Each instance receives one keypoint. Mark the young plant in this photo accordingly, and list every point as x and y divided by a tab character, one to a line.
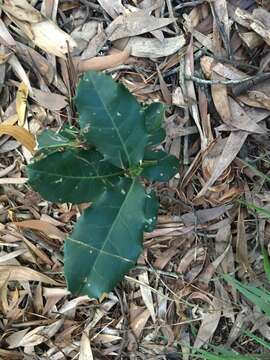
104	163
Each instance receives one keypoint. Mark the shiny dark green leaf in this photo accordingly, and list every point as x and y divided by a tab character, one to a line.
75	176
106	241
159	166
150	211
154	116
111	119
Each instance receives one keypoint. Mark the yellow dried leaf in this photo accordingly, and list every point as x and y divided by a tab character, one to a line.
20	134
21	100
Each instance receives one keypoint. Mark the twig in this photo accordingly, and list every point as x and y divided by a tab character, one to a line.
224	82
174	275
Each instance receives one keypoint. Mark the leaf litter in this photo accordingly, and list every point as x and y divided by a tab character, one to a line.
209	61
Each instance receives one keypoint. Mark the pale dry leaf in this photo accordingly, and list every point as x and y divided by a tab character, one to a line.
233	145
19	71
106	338
112	7
15	339
147	295
153	48
43	32
5	36
48	100
40	225
220	99
241	120
138	324
33	58
40	334
209	324
21	102
136	23
251	39
22	273
22	11
85	348
258	21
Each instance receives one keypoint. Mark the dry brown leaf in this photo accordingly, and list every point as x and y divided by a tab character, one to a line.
19	71
5	36
147	294
20	134
241	255
233	145
38	335
241	120
112	7
209	324
136	23
21	101
22	11
220	99
138	324
40	225
22	273
153	48
48	100
43	32
258	21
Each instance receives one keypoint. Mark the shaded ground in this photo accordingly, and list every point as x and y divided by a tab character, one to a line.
209	61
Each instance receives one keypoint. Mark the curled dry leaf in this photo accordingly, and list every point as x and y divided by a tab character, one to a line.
258	21
20	134
21	100
102	62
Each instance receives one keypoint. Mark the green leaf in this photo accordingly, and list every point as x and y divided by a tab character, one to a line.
75	176
266	262
159	166
49	141
259	297
106	241
259	340
151	211
111	119
154	115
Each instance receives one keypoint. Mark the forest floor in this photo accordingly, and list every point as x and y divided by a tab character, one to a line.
209	61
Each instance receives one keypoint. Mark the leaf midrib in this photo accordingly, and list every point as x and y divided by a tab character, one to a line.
113	123
112	227
78	177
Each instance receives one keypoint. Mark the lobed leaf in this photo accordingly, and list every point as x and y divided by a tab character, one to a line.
111	119
75	176
106	240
